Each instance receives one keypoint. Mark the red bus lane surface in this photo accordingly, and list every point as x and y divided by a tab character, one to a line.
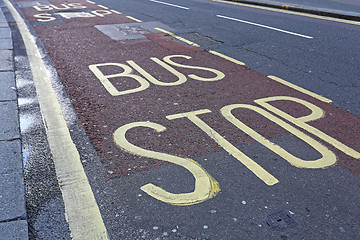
236	138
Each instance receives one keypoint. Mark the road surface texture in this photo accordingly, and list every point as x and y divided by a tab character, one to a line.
188	120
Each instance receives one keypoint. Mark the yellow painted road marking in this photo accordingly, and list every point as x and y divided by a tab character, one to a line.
146	78
286	6
291	12
226	57
128	72
114	11
301	122
177	37
81	211
300	89
219	75
135	19
206	186
236	153
197	45
328	157
181	77
103	7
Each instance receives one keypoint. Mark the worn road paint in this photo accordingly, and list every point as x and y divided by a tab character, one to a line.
51	16
81	210
286	6
179	38
64	6
227	58
135	19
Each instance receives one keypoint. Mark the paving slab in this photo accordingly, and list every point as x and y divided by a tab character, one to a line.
3	21
10	158
7	86
14	230
9	127
13	223
6	43
6	60
12	200
5	32
2	16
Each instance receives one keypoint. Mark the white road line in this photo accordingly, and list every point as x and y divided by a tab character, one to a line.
264	26
173	5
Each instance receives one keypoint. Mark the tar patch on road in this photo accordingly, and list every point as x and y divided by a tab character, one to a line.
128	31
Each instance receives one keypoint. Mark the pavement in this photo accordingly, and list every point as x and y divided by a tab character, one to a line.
13	217
13	220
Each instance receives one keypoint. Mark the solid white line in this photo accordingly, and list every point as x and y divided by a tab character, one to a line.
173	5
264	26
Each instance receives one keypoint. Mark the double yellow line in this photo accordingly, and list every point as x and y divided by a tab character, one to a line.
81	210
